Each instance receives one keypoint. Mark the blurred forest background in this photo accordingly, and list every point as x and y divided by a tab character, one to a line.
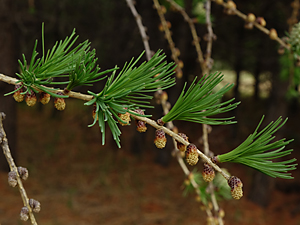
78	181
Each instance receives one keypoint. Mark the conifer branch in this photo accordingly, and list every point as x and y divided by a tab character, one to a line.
14	170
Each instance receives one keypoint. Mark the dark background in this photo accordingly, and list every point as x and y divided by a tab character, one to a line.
40	136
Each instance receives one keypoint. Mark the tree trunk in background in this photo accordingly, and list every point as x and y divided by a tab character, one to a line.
8	67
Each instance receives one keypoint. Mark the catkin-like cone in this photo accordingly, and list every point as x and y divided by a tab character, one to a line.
125	117
59	103
181	146
30	98
17	95
160	138
236	187
44	97
208	173
191	154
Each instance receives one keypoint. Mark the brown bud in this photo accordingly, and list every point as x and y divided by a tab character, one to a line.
236	187
261	21
160	138
94	111
180	64
12	178
191	154
24	214
18	96
125	117
164	96
163	9
215	159
273	34
208	173
140	125
251	18
35	205
23	173
30	98
59	103
181	146
160	122
44	97
230	5
219	2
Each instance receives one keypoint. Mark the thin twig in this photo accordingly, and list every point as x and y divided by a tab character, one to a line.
13	167
142	29
196	38
258	26
168	35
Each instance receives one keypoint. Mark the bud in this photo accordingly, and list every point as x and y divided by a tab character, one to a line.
23	173
35	205
125	117
17	95
261	21
273	34
248	25
160	122
30	98
181	146
44	97
191	154
230	8
208	173
12	178
59	103
140	125
94	111
236	187
251	18
24	213
219	2
160	138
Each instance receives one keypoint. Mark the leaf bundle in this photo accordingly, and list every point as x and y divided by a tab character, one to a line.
257	152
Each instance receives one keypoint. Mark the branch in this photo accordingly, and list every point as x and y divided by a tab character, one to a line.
168	37
196	39
152	123
142	29
256	24
13	168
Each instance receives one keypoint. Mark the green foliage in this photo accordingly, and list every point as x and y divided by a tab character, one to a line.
199	102
128	91
63	60
257	152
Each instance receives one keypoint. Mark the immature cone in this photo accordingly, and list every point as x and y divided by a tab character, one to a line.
140	125
236	187
12	178
191	154
208	173
59	103
24	213
94	111
125	117
180	146
160	138
273	34
17	95
30	98
44	97
261	21
35	205
23	173
251	18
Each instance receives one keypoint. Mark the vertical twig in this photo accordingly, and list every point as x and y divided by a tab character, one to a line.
13	167
142	29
